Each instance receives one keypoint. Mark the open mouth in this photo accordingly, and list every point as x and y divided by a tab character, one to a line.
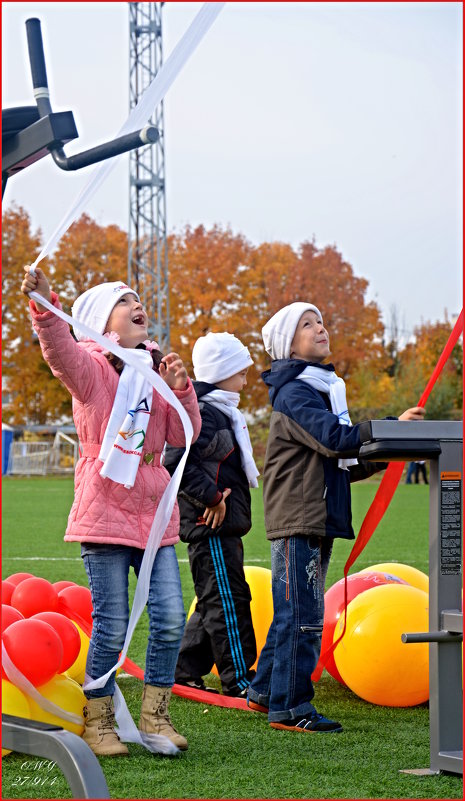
139	319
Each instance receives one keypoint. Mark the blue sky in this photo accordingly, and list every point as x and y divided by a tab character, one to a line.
340	122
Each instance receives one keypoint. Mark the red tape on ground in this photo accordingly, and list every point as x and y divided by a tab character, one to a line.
202	696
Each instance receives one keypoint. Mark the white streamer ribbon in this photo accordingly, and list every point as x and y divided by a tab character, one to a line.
139	115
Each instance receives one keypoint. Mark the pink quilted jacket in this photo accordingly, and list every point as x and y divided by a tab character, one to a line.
104	511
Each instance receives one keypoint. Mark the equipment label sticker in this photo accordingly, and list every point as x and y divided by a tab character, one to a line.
451	523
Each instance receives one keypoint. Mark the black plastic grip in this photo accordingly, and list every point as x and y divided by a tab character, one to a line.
36	53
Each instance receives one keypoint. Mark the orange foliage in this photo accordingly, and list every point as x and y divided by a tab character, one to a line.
218	282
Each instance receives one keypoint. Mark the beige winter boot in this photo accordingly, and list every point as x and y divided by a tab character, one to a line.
154	717
99	730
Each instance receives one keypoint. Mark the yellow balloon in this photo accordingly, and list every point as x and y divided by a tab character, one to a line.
371	657
67	694
261	605
410	574
78	668
14	702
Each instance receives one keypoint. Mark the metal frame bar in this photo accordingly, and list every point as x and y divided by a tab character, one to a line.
395	441
73	756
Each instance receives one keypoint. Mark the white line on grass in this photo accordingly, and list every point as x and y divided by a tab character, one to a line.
335	562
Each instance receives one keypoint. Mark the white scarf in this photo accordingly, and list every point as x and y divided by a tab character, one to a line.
227	402
327	381
124	437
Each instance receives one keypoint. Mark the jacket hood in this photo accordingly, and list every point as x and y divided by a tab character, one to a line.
284	370
203	388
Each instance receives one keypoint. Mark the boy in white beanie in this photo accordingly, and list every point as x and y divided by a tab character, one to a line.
311	458
214	501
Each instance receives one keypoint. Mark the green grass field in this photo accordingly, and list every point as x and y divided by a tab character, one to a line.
233	753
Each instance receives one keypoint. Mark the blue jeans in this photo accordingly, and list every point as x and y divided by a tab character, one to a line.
107	568
283	680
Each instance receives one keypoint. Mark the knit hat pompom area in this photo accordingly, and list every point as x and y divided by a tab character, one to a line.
279	331
94	306
216	357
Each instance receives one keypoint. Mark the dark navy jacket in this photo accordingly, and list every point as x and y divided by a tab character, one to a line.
304	490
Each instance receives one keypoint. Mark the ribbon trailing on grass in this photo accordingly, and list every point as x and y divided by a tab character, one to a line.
138	117
385	491
127	729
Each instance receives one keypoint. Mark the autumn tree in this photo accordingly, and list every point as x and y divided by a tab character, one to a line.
416	364
218	281
29	382
88	254
208	290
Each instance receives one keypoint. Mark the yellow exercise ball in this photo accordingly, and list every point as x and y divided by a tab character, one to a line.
261	605
78	668
67	694
410	574
14	702
371	657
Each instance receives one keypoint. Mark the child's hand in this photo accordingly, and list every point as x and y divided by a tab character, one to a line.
173	372
415	413
214	515
36	282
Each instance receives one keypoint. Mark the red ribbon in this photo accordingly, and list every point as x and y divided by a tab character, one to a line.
386	491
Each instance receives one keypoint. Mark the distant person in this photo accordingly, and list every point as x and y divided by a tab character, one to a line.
122	424
311	458
420	468
214	501
411	471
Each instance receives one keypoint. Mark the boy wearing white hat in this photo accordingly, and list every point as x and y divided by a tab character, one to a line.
311	458
214	501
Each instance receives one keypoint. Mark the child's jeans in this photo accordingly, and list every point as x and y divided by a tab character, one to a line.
107	569
283	681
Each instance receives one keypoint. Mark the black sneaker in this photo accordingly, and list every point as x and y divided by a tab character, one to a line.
197	684
236	693
314	723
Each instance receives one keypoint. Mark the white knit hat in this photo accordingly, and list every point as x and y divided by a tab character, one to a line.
216	357
279	331
96	304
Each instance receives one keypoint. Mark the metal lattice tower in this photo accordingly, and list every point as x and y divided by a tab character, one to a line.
148	251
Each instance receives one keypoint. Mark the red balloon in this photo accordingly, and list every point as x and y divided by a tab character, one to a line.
9	615
34	595
35	649
334	606
16	578
60	585
68	634
7	591
76	599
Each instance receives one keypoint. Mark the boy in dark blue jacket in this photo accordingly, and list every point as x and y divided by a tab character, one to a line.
214	502
311	458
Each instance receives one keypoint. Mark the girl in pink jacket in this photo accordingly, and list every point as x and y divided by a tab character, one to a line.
122	425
